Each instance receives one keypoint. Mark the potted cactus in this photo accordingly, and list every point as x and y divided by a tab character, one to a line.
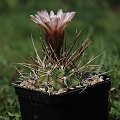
59	87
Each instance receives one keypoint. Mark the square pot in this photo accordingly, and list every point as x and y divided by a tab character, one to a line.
88	104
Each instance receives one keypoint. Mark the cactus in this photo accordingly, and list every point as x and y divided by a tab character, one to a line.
60	70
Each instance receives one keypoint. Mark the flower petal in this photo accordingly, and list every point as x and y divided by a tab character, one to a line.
59	13
69	16
35	19
38	21
61	20
49	24
51	21
56	19
44	15
51	14
67	19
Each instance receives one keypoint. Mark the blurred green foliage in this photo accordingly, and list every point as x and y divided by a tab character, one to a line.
95	17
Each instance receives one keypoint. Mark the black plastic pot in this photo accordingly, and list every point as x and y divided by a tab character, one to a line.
90	104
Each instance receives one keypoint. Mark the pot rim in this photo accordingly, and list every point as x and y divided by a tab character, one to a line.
15	84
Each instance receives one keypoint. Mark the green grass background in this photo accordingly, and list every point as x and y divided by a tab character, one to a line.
100	18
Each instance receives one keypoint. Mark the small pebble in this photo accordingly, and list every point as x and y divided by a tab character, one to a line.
61	91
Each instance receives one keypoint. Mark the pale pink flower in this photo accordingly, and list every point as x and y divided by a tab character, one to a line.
54	26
